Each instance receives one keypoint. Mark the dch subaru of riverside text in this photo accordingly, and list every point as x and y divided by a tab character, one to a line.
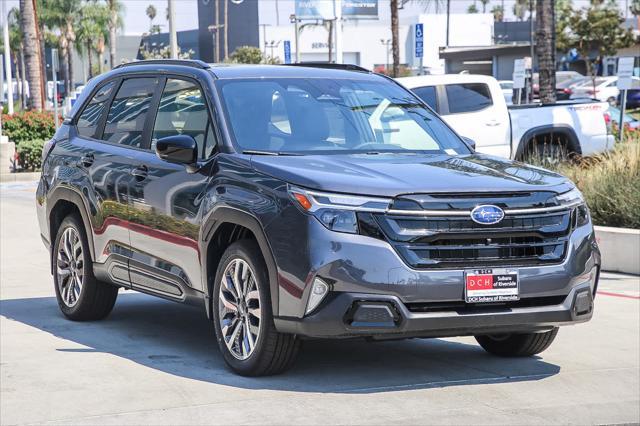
304	202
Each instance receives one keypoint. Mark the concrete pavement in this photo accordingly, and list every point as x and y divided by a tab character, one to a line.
156	362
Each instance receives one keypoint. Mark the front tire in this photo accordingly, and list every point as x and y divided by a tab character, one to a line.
517	345
81	297
246	334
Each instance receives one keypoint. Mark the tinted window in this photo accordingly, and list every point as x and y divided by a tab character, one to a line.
428	95
128	112
88	120
183	111
468	97
313	115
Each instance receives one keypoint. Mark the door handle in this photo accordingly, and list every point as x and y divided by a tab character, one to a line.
492	123
140	172
87	160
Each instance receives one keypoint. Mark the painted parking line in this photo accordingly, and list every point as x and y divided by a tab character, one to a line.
625	296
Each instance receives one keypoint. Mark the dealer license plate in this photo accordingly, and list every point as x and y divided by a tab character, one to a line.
491	285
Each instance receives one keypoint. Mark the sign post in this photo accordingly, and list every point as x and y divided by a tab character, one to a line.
287	52
419	48
625	72
519	76
54	72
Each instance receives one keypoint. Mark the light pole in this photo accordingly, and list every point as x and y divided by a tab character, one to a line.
387	44
7	58
213	29
173	37
264	38
272	45
294	20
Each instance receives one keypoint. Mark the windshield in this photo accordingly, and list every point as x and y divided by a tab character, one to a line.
313	115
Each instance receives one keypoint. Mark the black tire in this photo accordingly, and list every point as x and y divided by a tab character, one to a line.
96	298
274	352
517	345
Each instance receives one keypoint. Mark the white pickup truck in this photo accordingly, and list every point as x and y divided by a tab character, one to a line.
474	106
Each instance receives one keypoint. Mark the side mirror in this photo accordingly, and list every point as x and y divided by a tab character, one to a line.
470	143
181	149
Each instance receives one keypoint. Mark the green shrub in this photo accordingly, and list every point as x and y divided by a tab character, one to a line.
28	126
30	154
610	183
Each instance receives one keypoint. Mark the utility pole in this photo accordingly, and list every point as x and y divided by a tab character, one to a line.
7	58
386	43
337	5
264	38
294	20
446	43
173	37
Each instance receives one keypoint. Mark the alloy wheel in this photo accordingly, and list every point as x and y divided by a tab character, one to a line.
239	309
70	267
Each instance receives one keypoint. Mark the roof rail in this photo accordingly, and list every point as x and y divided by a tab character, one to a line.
195	63
328	65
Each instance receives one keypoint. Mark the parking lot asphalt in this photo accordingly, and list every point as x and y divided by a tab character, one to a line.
156	362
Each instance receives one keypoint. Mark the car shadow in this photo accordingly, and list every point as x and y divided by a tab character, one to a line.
179	340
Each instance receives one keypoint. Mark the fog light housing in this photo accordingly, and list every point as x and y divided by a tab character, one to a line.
319	291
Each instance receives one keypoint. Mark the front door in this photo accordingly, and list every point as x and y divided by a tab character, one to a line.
165	198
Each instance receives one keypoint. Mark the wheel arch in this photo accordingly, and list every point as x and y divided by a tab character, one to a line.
222	227
572	141
62	202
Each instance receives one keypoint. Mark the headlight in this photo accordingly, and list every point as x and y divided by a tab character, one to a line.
575	199
337	212
571	198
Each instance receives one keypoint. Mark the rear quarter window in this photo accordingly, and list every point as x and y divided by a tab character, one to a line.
468	97
428	96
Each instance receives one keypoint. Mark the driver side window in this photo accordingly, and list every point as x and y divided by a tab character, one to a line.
183	111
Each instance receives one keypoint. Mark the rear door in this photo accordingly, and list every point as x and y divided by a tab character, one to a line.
165	198
472	111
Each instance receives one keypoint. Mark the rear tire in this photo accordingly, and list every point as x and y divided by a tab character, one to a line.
243	319
81	297
517	345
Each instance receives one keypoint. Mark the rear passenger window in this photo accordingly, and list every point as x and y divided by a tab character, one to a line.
128	112
183	111
468	97
428	95
88	121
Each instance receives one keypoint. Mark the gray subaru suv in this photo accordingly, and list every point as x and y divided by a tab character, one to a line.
299	202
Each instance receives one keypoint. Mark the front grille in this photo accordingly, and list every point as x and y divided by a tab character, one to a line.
436	241
470	308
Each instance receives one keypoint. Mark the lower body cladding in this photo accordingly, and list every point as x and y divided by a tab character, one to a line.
373	293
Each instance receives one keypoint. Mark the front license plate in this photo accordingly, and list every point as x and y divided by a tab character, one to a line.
491	285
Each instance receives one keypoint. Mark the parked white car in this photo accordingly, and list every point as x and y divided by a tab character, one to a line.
474	106
507	90
601	88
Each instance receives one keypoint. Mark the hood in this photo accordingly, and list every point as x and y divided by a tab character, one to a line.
390	175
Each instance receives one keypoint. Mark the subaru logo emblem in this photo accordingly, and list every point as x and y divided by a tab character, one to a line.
487	215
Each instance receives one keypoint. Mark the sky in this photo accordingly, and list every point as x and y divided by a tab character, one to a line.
136	21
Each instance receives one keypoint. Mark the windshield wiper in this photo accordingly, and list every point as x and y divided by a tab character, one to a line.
258	152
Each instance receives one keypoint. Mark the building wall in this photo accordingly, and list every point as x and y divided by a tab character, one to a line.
362	40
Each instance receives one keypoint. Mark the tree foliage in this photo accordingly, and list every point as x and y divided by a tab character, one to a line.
246	55
472	8
596	30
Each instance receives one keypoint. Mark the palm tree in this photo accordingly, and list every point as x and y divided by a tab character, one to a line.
472	8
31	52
498	13
17	48
115	9
395	38
484	5
91	26
546	49
520	9
151	12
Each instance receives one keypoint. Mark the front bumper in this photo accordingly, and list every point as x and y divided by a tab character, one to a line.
364	269
340	317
